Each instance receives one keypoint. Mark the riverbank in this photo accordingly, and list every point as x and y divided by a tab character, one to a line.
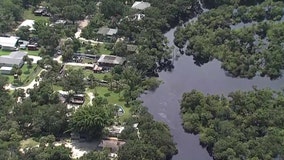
164	105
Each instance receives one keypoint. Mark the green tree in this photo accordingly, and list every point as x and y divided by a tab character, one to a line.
112	8
23	33
91	120
103	155
74	81
73	12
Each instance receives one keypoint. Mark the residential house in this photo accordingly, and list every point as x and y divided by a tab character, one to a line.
9	43
132	48
107	34
115	130
113	144
110	61
140	5
8	61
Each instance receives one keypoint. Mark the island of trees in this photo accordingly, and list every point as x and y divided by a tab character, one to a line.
244	125
246	36
35	120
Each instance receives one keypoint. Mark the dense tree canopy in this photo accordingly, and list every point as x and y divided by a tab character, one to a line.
91	120
151	140
10	12
246	125
243	38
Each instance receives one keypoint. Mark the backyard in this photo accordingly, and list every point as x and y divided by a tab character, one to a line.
87	72
33	53
27	76
28	14
112	98
99	49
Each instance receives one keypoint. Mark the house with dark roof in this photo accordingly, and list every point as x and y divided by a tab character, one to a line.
113	144
110	60
107	34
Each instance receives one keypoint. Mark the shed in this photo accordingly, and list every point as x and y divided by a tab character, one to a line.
9	43
140	5
6	70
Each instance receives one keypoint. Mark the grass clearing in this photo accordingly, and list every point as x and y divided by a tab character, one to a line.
103	50
99	49
28	14
28	143
33	53
28	75
2	53
87	72
113	98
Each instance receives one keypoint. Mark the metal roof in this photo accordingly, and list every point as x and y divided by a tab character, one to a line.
107	31
111	59
8	41
15	58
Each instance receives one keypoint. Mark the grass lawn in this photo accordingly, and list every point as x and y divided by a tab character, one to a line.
28	143
28	75
87	72
57	87
28	14
113	98
2	53
103	50
33	53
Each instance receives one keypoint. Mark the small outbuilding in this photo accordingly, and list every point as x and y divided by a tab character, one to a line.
9	43
6	70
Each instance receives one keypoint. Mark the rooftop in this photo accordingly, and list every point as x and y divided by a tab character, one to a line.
107	31
131	47
140	5
15	58
112	144
29	23
6	68
111	59
9	41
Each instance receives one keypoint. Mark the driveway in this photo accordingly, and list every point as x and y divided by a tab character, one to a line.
35	58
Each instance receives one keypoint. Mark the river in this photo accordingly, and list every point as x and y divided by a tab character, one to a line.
164	105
